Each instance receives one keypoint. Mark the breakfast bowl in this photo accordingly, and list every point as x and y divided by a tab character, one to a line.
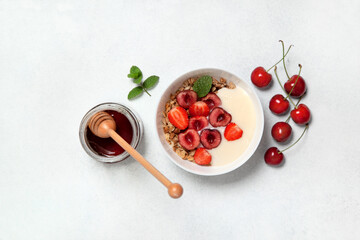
238	100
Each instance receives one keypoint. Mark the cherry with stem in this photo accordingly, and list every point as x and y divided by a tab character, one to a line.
295	85
287	120
301	114
261	77
287	74
274	156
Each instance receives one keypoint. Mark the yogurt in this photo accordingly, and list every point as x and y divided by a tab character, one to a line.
238	103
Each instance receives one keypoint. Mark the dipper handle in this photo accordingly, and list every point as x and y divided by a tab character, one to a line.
175	190
104	126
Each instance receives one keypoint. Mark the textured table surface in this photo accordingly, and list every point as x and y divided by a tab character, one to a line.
60	58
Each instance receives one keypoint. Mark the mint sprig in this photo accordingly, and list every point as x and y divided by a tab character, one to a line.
136	75
202	86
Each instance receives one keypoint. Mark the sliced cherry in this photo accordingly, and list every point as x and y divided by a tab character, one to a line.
198	123
210	138
186	98
219	117
189	139
301	114
279	104
212	100
281	131
273	156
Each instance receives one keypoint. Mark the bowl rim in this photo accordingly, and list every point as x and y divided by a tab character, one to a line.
226	170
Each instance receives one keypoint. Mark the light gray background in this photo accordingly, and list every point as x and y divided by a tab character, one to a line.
60	58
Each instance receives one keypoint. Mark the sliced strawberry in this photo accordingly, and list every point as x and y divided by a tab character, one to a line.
178	117
219	117
210	138
233	132
186	98
198	123
199	109
202	156
212	100
189	139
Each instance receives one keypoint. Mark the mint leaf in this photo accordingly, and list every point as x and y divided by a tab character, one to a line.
135	72
138	79
202	86
135	92
132	75
150	82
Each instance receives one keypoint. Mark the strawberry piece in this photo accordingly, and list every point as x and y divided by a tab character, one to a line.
212	100
186	98
233	132
202	156
179	118
198	123
199	109
189	139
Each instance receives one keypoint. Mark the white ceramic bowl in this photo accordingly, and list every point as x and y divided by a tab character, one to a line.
210	170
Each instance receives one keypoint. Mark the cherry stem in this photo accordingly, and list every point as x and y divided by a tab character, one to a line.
287	120
277	77
288	96
283	59
307	126
280	59
299	100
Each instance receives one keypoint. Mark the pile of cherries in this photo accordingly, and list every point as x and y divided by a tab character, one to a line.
294	87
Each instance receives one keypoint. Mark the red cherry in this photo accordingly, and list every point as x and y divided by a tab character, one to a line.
281	131
278	104
260	77
301	114
273	156
299	88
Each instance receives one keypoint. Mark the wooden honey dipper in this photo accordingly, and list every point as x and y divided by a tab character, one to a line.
104	126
